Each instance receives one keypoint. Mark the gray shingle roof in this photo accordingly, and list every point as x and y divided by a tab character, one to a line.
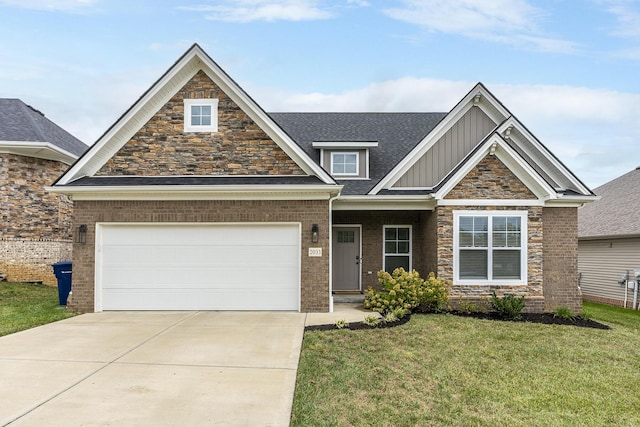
617	213
396	134
21	123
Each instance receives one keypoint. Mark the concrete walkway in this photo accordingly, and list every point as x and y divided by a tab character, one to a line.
157	368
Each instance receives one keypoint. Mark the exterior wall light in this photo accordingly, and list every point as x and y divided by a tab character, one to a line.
81	235
314	233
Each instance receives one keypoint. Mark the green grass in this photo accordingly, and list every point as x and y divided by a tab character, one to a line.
446	370
24	306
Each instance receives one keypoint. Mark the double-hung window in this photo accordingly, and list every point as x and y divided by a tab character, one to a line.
200	115
490	247
397	247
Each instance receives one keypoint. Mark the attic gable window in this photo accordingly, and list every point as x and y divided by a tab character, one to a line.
200	115
344	164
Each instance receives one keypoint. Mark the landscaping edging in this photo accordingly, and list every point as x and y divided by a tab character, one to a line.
540	318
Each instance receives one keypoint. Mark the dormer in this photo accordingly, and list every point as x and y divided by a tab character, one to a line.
345	159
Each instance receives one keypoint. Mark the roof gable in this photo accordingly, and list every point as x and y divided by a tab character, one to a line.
541	171
194	61
162	148
26	131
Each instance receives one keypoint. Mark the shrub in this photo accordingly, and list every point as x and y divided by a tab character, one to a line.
564	313
467	307
371	320
508	306
406	290
341	324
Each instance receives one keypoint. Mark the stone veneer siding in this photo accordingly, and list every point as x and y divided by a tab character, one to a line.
161	147
314	271
36	225
561	259
491	179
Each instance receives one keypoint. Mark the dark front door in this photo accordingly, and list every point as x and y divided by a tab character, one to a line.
346	258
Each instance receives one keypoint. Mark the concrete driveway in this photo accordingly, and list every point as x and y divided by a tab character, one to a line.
152	368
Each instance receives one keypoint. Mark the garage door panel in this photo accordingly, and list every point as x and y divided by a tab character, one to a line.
217	278
199	266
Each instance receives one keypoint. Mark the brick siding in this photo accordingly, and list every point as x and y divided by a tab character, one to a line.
561	259
35	225
314	271
161	147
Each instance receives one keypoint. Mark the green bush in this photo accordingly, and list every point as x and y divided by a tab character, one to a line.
406	290
564	313
508	306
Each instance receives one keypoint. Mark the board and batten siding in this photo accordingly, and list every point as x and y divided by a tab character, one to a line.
601	263
448	151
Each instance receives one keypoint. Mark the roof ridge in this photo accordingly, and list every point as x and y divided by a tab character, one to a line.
28	112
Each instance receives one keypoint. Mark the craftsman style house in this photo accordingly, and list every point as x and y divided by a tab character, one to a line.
196	198
35	226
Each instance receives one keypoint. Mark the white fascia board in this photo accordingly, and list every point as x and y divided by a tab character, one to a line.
490	105
37	149
161	92
200	192
387	203
491	202
514	122
570	201
344	144
521	169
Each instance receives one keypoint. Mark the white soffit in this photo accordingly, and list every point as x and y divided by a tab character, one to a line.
39	150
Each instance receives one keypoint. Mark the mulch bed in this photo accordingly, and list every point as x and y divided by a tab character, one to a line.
543	318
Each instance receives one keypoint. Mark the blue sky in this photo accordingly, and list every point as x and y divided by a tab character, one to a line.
568	69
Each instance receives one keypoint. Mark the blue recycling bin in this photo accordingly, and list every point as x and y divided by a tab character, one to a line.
62	270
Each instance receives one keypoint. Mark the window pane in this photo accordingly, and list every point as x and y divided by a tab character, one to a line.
346	237
390	248
480	240
466	223
394	261
506	264
513	223
480	223
403	247
473	264
513	240
499	223
205	110
466	240
206	121
195	120
499	240
403	234
390	233
195	110
349	168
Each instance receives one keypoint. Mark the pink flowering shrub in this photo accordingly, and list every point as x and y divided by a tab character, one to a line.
407	290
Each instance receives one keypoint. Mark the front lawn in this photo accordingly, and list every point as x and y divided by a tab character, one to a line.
442	369
24	306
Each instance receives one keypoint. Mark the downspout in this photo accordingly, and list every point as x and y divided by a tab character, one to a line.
635	291
330	231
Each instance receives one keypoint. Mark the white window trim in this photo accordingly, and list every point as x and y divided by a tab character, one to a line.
524	247
211	102
384	240
343	153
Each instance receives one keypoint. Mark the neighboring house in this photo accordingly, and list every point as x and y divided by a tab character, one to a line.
35	225
196	198
609	241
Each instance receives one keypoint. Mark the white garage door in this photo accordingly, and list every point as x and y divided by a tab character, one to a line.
198	267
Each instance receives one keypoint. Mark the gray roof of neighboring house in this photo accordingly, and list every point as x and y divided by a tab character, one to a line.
20	122
617	213
396	134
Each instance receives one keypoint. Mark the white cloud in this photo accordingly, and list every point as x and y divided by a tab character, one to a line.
595	132
627	14
53	5
261	10
513	22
